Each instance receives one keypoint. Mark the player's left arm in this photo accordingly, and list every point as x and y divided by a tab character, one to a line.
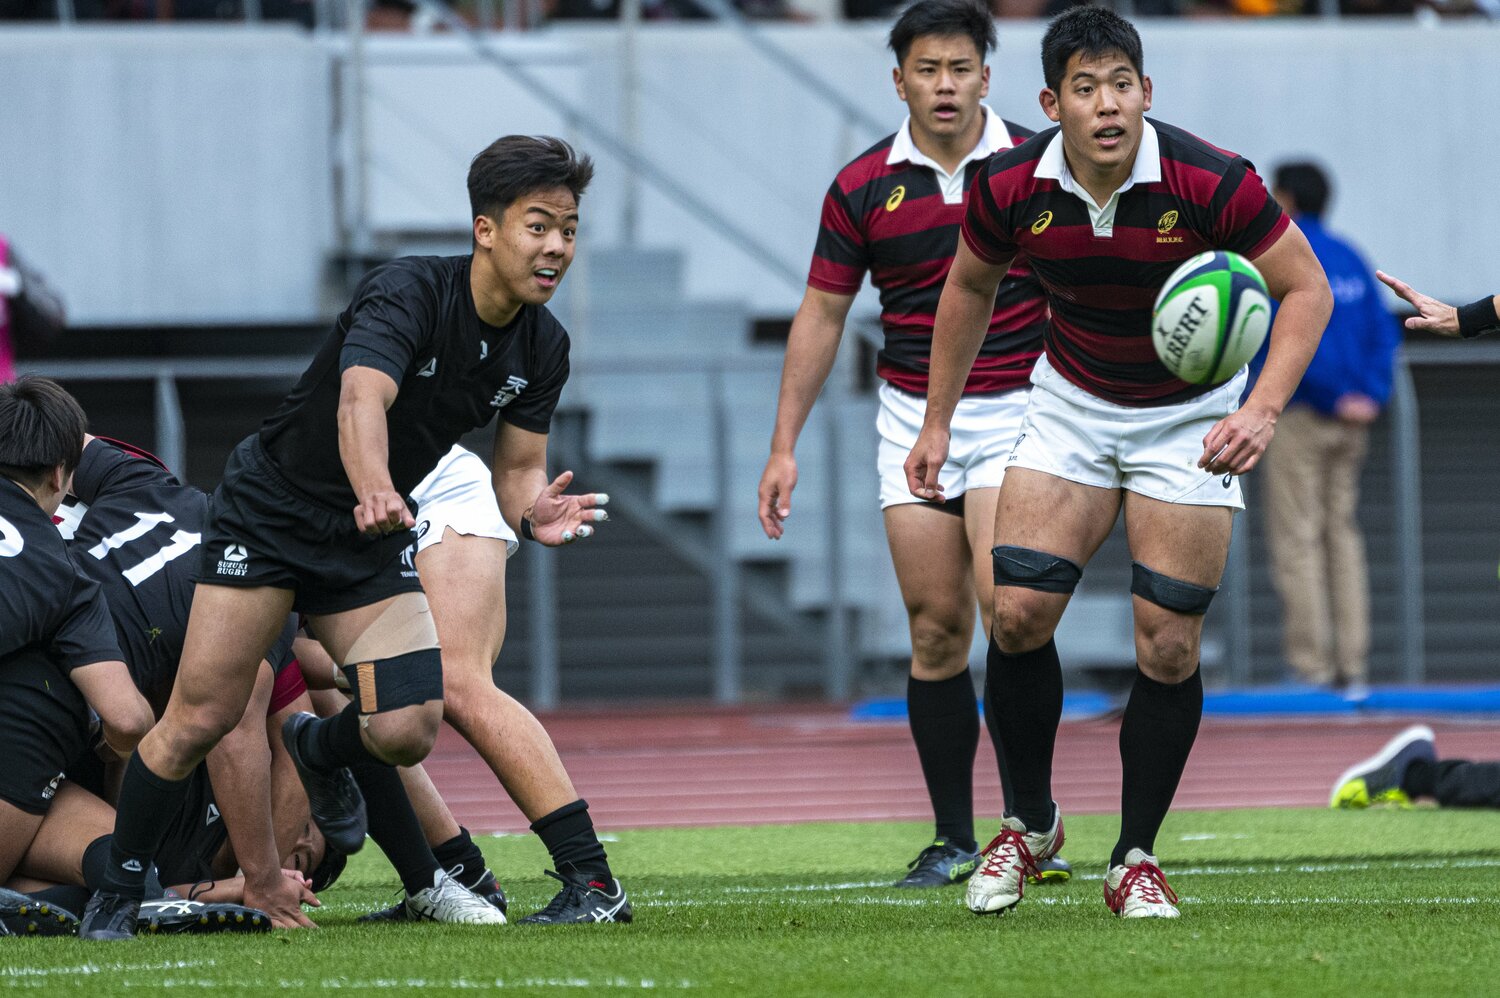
124	715
519	474
364	447
1296	279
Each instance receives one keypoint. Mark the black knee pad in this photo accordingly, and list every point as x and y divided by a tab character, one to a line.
1165	591
1028	569
388	684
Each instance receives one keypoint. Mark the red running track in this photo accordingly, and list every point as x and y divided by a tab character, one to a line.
695	765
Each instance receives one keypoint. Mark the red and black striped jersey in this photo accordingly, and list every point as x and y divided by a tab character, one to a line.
892	220
1185	197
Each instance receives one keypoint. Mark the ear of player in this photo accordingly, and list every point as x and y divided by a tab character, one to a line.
558	518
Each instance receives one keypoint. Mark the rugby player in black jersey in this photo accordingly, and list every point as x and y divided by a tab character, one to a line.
1105	207
312	513
58	655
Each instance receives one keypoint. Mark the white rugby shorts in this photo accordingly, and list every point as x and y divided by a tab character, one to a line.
1150	450
983	432
458	494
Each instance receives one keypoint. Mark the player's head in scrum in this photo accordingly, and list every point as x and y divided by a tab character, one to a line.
41	437
940	73
1097	89
524	192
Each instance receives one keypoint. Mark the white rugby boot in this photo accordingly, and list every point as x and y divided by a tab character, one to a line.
449	901
1008	862
1138	889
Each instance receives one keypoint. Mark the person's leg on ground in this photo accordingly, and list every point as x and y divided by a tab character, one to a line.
1296	500
1179	553
465	580
1454	782
930	551
1046	529
229	631
1347	579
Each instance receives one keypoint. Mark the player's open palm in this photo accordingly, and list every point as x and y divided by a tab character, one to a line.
282	898
558	518
924	462
776	485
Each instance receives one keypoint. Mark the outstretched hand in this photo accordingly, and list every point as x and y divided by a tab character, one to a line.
557	518
1432	315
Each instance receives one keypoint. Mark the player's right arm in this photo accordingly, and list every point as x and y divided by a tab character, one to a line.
963	318
811	349
364	447
124	715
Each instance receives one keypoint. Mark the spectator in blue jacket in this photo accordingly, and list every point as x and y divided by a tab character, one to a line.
1311	470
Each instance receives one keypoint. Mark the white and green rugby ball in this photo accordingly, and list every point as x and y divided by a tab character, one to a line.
1211	317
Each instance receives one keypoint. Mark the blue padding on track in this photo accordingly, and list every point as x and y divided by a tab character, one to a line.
1266	701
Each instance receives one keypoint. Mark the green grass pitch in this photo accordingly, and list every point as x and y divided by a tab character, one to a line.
1284	902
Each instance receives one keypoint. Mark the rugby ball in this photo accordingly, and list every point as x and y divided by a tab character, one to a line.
1211	317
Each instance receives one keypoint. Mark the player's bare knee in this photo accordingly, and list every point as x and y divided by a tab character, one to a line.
1168	654
195	730
939	646
1031	589
403	737
401	701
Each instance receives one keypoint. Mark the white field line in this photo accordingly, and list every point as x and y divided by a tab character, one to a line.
404	983
86	969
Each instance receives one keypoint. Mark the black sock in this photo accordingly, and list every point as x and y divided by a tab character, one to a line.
331	743
148	804
1025	692
1420	779
944	718
394	825
463	860
69	897
96	861
568	834
1156	736
992	725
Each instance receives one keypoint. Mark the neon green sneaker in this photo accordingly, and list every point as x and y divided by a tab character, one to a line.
1377	780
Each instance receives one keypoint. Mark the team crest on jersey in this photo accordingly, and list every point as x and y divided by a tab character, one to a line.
1165	225
897	196
233	562
514	386
1042	221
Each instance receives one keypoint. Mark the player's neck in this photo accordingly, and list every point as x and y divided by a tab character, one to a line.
949	152
495	308
1101	183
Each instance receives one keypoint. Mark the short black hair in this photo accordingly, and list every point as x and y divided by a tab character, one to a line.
41	427
1093	31
517	165
943	18
1307	184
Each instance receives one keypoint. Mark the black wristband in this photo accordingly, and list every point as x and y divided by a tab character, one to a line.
1477	318
526	532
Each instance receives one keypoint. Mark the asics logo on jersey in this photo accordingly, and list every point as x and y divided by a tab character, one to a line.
133	865
897	196
484	349
1164	225
1042	221
428	369
514	385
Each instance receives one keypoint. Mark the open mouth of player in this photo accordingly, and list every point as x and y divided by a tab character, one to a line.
945	111
1110	137
547	277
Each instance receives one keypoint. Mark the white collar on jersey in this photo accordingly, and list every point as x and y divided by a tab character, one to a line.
1147	169
994	138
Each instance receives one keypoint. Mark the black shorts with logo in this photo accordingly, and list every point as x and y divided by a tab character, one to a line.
44	728
263	531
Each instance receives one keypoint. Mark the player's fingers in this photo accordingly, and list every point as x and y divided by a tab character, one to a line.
559	485
591	499
1396	284
585	531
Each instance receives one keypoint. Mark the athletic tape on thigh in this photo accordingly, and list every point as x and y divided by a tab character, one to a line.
1165	591
388	684
1028	569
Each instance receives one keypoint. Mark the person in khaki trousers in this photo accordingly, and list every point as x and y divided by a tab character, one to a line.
1311	469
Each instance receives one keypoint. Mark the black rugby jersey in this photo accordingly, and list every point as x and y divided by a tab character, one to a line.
1101	288
137	524
414	319
47	603
891	220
